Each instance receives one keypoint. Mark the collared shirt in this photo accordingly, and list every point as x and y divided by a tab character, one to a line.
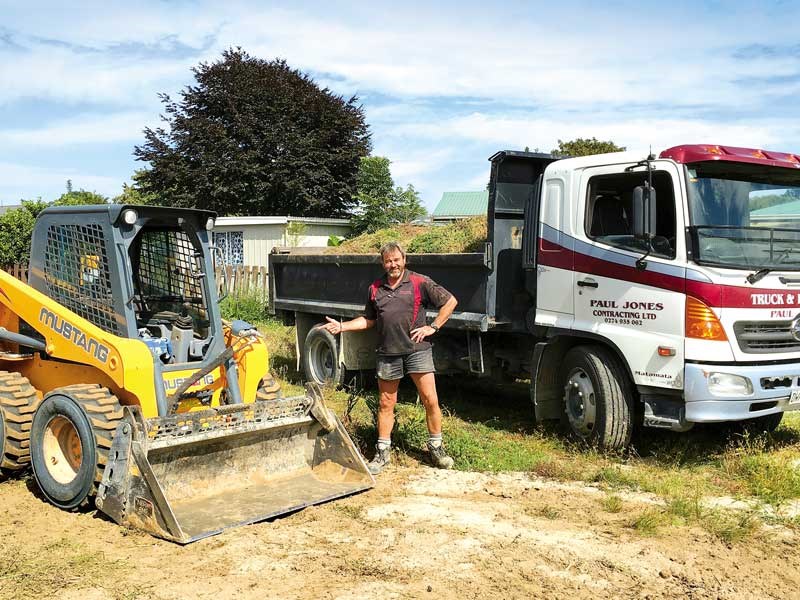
394	309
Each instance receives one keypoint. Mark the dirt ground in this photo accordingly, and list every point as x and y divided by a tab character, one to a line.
420	533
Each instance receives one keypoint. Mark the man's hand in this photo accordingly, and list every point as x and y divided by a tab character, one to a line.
332	326
420	333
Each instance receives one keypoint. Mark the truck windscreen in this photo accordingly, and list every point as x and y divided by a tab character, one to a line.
744	216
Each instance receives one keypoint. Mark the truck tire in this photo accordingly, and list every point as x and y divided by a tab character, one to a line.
70	439
597	402
18	402
321	358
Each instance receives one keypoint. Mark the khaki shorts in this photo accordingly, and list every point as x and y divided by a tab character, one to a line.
391	368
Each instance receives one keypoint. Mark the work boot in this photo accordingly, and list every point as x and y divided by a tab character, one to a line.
383	456
439	457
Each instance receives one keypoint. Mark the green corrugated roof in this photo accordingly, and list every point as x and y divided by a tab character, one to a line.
787	208
462	204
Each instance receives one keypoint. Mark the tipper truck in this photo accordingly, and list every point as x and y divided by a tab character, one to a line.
631	290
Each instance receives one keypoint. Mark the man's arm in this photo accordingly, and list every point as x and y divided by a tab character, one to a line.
357	324
420	333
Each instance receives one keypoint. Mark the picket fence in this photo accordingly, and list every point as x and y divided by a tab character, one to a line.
241	279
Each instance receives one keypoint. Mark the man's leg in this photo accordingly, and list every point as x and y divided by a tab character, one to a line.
388	399
387	390
426	386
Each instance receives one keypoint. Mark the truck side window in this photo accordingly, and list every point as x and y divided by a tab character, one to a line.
608	212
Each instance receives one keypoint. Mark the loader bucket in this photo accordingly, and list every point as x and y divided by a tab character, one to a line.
193	475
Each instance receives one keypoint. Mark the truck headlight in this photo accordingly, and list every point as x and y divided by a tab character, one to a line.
727	384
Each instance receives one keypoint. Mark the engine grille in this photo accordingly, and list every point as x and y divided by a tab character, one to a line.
765	337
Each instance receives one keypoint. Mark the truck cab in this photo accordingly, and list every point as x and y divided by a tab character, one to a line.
683	270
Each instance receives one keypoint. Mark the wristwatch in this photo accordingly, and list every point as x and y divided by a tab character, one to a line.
434	326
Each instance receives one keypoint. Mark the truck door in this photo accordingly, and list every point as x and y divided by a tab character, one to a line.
635	301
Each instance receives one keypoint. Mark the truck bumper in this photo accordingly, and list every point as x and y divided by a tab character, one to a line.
772	391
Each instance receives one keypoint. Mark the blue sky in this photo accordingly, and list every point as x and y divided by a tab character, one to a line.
444	85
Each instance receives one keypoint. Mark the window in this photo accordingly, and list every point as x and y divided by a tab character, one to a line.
232	245
609	217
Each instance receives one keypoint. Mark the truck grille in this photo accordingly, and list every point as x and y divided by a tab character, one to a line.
765	337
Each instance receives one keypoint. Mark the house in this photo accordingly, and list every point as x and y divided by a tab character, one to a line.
249	240
460	205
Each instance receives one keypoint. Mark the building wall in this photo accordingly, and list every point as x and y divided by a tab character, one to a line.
259	240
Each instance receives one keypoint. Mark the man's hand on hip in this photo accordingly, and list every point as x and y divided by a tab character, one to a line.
420	333
333	326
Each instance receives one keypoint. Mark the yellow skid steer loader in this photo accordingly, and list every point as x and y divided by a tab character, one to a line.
120	382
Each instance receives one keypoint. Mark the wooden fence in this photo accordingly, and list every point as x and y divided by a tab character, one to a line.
240	279
18	271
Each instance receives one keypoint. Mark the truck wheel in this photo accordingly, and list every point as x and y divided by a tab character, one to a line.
70	439
18	401
321	358
597	399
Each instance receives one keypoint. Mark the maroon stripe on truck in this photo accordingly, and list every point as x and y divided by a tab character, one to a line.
712	294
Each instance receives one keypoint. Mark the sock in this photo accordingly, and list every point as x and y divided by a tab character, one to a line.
384	444
435	440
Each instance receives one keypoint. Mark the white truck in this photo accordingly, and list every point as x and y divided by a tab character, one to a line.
632	290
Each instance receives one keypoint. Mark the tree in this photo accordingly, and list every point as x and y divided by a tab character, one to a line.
585	147
380	202
256	137
73	198
16	230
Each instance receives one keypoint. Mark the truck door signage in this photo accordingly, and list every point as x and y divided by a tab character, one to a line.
629	312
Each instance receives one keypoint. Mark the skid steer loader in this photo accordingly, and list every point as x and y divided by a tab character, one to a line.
119	382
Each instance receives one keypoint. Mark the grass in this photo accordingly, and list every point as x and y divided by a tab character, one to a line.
490	428
42	571
467	235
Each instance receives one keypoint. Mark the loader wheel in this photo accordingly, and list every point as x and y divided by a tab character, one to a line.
321	358
18	402
268	389
598	406
70	439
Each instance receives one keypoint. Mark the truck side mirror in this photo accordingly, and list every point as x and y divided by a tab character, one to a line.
644	211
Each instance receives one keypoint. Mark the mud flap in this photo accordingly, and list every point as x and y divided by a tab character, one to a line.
193	475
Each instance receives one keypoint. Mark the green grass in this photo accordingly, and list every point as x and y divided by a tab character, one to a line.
489	428
612	503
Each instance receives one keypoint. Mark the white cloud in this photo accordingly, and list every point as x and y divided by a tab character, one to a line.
17	182
81	130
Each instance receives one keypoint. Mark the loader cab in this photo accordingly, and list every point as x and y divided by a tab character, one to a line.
138	272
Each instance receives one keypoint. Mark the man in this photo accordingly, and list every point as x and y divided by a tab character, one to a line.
396	305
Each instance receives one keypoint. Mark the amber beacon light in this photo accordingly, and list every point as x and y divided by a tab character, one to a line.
701	322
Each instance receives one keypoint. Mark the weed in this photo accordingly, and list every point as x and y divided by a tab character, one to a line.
612	503
252	307
547	512
648	522
353	511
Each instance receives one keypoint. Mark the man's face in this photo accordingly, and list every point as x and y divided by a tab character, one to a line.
394	263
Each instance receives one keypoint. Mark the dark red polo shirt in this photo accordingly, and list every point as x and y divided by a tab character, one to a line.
393	309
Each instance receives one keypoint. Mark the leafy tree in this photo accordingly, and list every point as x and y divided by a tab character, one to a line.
584	147
256	137
133	194
380	202
73	198
16	229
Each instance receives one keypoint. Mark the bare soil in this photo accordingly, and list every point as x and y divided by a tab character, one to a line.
420	533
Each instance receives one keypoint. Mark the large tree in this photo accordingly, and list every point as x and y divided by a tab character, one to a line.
585	147
380	203
16	229
256	137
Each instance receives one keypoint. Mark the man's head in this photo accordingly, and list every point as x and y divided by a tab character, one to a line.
394	259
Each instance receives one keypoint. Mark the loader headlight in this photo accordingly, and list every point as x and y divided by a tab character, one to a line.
727	384
210	224
129	216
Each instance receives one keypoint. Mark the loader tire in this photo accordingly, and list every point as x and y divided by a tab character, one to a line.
268	389
70	439
18	402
